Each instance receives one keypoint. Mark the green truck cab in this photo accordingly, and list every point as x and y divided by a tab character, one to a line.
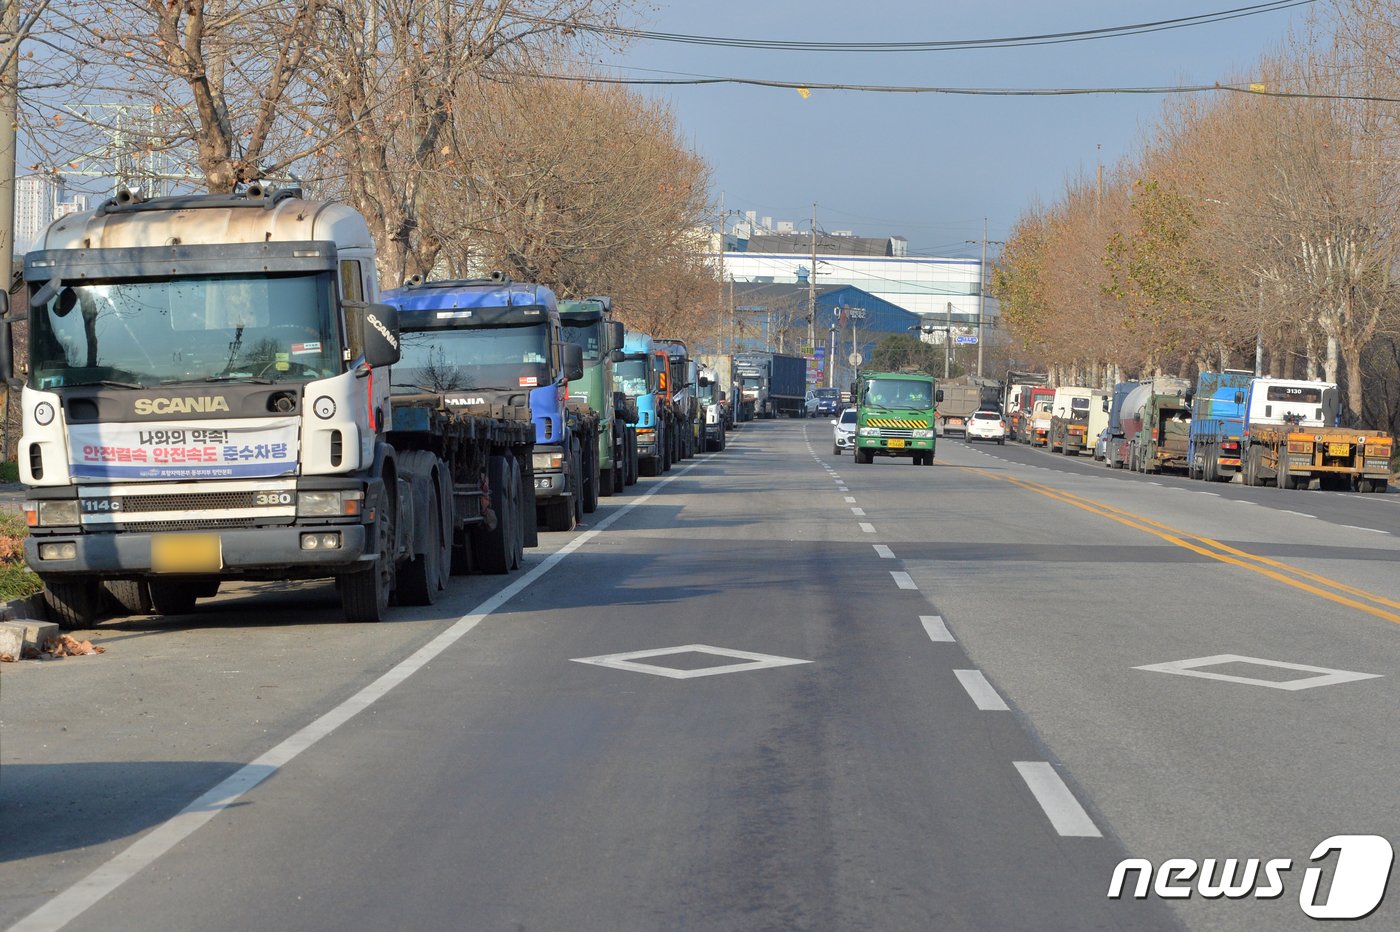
896	416
590	325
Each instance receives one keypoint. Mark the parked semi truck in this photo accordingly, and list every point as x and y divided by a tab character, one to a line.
1217	424
1134	414
773	384
713	407
1114	447
1163	436
208	399
896	416
1077	416
642	373
727	385
589	324
681	379
1013	394
493	341
1290	440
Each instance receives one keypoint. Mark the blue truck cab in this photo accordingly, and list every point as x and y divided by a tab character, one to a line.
638	375
1214	451
497	343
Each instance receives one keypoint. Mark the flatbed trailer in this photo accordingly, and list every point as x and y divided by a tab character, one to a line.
1337	457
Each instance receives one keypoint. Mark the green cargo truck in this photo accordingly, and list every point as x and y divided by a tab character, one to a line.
589	325
896	416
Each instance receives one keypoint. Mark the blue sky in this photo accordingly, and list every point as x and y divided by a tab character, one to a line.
929	167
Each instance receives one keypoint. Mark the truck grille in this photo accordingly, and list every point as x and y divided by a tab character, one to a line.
199	524
890	432
189	501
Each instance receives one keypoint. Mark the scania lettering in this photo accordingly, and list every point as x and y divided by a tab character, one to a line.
179	405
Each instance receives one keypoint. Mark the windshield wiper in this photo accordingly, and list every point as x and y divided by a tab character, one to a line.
105	383
260	380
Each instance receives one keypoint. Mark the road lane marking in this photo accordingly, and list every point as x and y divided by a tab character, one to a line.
842	488
1066	815
867	528
937	630
1357	527
67	905
858	512
1208	547
850	498
1300	514
903	580
884	552
630	661
983	695
1321	676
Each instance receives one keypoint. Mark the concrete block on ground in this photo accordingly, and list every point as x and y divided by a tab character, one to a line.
11	640
39	634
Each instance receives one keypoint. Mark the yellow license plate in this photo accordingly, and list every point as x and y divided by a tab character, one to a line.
1339	449
186	553
896	443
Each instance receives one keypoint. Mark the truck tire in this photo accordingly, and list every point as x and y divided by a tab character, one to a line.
1250	467
631	468
557	514
864	457
417	582
591	476
74	601
648	466
364	595
1284	480
496	550
129	596
173	596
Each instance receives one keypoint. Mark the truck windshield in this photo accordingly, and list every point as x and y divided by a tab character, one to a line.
504	358
211	328
898	393
632	376
588	336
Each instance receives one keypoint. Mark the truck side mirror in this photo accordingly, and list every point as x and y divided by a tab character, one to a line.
379	333
617	335
1105	403
616	355
938	396
572	356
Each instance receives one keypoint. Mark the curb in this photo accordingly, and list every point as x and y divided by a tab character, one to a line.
24	627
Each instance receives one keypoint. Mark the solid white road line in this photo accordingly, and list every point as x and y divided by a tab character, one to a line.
72	902
983	695
1063	810
903	580
858	512
1354	527
937	630
867	528
884	552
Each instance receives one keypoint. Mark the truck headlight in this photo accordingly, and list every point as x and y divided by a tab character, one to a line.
545	461
58	513
921	434
329	504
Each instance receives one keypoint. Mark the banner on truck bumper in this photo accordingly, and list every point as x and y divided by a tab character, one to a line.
212	450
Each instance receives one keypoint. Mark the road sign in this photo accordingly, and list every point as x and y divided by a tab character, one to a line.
964	340
855	359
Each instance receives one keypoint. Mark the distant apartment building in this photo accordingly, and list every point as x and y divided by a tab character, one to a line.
39	201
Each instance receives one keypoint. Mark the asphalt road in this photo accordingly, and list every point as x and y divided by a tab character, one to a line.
911	698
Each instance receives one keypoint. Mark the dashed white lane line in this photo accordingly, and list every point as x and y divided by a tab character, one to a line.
1355	527
937	630
1065	814
842	488
1298	513
850	498
858	512
983	695
903	580
867	528
884	552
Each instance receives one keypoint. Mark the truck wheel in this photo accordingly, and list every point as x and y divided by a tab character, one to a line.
647	467
631	467
1250	469
605	483
494	550
557	515
173	596
364	596
580	489
74	601
418	578
1284	480
129	596
591	477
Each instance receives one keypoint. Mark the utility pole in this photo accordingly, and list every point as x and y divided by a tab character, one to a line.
947	340
812	290
9	115
981	297
722	317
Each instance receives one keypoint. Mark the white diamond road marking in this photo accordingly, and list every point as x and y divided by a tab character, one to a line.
628	661
1322	676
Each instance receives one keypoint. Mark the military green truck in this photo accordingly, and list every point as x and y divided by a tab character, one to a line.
896	416
590	325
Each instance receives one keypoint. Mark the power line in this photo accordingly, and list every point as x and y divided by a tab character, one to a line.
931	45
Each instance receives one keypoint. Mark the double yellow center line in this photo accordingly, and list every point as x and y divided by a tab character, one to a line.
1312	583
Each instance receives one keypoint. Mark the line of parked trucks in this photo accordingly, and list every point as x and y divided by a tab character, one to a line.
215	388
1266	431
